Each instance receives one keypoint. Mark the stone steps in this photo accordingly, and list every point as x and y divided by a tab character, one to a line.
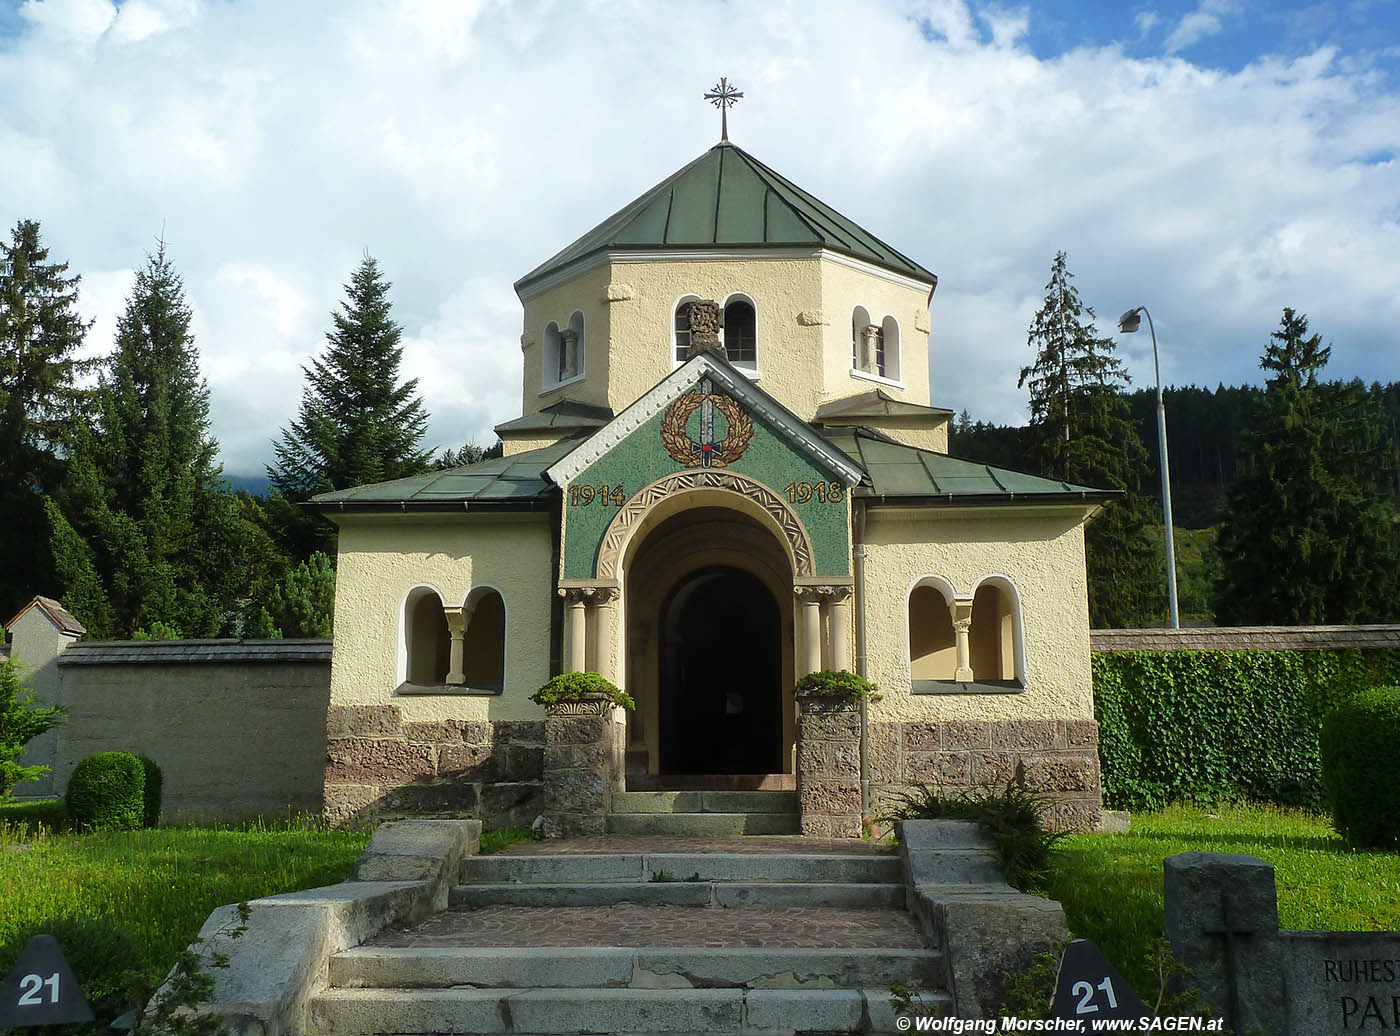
664	967
710	825
353	1012
704	802
682	892
796	867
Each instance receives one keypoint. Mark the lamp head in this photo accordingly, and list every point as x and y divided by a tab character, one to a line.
1129	322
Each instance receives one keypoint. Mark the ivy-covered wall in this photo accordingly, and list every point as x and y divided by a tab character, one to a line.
1209	725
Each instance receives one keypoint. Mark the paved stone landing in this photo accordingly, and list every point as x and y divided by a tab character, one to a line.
609	844
755	927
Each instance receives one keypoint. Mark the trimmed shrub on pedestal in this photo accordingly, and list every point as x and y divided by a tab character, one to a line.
1358	754
577	688
107	792
837	683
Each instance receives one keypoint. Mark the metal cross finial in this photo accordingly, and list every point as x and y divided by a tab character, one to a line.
723	96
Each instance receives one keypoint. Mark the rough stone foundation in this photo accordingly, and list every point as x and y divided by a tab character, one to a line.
828	767
378	766
1059	760
583	761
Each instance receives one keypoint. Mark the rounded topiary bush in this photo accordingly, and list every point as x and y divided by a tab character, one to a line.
150	796
1358	752
107	792
577	687
837	683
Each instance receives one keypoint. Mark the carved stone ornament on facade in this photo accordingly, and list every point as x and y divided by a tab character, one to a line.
704	318
615	538
707	451
619	292
812	318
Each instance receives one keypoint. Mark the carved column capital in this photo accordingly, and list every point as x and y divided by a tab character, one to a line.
704	316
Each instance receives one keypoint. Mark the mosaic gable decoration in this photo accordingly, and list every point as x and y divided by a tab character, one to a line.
704	449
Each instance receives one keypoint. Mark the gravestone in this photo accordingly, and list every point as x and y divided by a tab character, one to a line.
1222	920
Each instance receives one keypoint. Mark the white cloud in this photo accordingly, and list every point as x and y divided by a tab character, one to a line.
1206	20
463	145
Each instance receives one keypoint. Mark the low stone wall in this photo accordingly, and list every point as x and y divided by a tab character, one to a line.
238	727
1247	638
377	766
1057	759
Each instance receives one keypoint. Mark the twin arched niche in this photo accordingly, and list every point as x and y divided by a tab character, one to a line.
563	353
990	620
429	631
874	346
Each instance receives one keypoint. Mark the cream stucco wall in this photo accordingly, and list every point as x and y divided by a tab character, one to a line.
36	643
1042	555
803	305
843	289
510	446
585	294
788	352
383	557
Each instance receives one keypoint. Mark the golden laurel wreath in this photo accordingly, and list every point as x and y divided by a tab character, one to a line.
681	446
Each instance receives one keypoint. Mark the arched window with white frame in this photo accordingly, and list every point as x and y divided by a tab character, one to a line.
573	346
551	355
887	363
995	638
484	643
741	331
426	644
680	328
933	645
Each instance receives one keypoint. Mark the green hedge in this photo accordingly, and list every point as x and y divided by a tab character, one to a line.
1358	743
107	792
1205	726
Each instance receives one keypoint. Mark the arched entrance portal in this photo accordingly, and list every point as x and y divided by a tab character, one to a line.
709	648
720	690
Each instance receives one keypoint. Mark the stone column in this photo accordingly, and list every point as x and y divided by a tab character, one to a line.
839	624
458	619
576	647
568	350
601	601
828	766
868	335
962	624
809	601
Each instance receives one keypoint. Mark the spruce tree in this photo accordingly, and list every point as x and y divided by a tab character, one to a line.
357	424
41	334
142	529
1081	432
1310	533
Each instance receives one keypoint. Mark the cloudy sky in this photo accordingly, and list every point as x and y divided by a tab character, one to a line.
1214	162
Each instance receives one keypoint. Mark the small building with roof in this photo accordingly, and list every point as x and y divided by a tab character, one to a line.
728	474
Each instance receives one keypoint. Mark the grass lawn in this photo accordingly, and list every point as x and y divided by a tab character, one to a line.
134	899
1111	885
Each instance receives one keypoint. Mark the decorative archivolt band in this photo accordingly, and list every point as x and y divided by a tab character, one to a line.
636	508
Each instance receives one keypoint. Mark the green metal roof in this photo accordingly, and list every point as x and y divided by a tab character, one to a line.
513	483
903	474
875	403
726	198
565	414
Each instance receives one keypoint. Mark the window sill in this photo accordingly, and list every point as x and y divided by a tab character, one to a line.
867	376
975	687
561	384
450	689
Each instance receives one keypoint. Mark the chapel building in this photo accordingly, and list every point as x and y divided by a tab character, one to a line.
728	473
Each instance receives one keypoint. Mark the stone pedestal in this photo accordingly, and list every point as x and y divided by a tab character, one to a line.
828	766
582	751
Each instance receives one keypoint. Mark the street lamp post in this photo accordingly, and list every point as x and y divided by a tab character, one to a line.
1127	324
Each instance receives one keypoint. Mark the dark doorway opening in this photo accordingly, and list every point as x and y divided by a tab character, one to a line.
721	670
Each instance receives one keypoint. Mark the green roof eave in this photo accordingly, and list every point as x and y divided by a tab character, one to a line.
726	199
515	483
